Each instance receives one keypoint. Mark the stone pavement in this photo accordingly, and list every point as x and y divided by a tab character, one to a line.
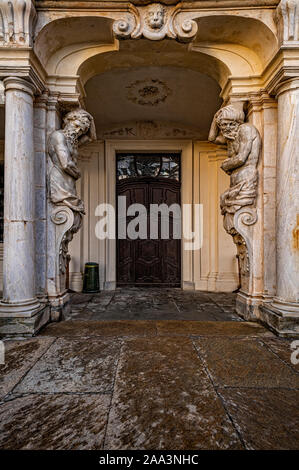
154	304
121	373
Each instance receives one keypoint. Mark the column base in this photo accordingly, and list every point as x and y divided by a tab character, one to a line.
188	285
109	285
60	307
18	326
281	321
76	282
19	309
247	306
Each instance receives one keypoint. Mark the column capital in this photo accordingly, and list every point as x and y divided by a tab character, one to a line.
287	85
18	18
254	100
41	101
53	100
17	83
260	100
287	17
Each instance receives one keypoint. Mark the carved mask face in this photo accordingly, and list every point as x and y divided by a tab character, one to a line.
229	129
155	16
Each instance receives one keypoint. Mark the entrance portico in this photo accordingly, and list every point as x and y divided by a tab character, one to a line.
150	85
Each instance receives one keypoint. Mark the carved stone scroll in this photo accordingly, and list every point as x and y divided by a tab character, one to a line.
244	219
155	22
238	201
124	27
17	19
63	218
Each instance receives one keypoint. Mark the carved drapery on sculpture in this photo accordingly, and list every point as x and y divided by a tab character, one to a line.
238	201
66	208
17	19
288	20
155	22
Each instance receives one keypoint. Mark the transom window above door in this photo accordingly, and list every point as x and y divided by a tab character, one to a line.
140	165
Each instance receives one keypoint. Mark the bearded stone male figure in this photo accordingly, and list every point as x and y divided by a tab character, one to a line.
63	172
63	150
243	146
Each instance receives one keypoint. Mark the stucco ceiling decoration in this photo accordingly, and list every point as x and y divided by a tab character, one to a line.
150	92
155	22
185	98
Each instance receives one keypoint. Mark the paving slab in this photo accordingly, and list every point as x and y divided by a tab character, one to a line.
243	362
266	419
80	299
54	422
194	305
153	304
74	365
20	356
163	399
100	328
211	328
282	347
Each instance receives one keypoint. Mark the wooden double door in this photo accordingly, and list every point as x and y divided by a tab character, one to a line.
149	262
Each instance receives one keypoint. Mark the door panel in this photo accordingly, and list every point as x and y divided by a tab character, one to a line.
149	262
149	179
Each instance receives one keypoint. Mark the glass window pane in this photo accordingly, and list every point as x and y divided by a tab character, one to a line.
151	165
148	166
126	167
171	167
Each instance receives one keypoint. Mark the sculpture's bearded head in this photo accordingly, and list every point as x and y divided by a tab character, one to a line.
229	129
155	16
228	120
79	123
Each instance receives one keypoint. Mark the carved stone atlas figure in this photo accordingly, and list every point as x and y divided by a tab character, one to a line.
243	147
63	171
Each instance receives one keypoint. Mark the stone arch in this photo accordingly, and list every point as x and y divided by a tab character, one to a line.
225	46
59	38
252	35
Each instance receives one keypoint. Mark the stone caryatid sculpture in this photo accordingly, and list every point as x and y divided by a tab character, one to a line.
66	208
238	201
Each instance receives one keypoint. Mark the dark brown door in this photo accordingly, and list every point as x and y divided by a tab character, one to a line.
149	262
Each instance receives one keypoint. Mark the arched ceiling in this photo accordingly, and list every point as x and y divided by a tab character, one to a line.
66	32
154	93
145	53
226	44
247	32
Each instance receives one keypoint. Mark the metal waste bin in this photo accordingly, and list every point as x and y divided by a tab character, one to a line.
91	278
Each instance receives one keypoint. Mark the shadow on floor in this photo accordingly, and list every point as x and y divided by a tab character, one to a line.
154	304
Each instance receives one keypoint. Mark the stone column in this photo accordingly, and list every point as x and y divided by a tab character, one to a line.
283	313
40	125
287	292
19	295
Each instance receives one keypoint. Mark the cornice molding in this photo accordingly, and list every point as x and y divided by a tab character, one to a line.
124	4
283	66
23	63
